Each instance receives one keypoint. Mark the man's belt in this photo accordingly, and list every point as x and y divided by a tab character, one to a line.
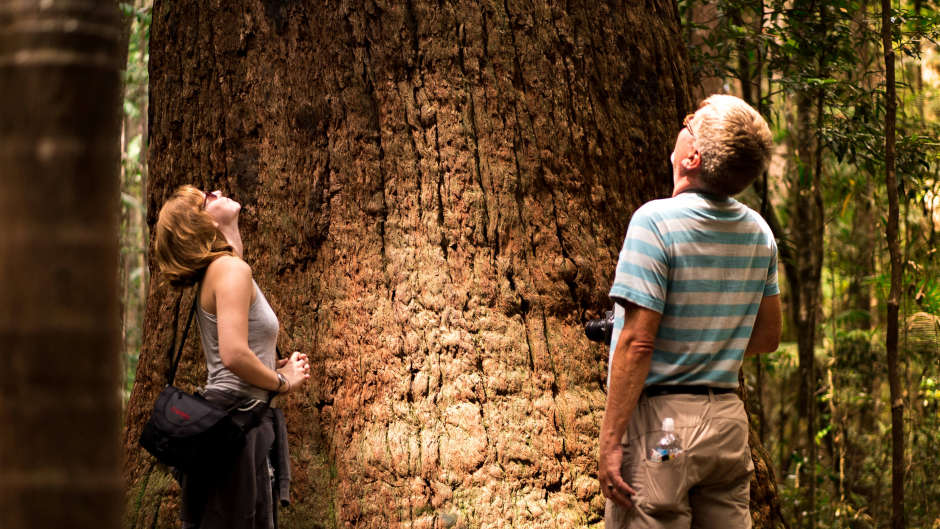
657	391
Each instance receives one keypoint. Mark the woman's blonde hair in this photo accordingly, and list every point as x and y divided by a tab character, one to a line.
187	239
734	142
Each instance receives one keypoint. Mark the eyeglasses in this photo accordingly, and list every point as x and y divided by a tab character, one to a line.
209	198
687	123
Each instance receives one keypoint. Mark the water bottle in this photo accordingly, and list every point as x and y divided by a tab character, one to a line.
669	446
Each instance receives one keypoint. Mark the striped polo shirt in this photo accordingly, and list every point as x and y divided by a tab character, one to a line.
704	263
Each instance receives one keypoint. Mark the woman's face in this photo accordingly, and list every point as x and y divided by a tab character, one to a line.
222	209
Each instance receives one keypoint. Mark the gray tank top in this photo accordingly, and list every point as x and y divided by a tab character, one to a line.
262	340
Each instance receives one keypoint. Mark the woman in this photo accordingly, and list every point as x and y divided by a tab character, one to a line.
198	242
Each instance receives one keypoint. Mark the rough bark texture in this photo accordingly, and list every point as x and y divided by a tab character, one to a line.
435	196
59	320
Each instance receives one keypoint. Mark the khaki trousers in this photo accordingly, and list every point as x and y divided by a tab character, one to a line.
707	486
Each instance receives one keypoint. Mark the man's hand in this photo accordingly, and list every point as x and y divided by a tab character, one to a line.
612	484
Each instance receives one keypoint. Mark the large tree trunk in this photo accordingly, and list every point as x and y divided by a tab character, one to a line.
435	197
59	320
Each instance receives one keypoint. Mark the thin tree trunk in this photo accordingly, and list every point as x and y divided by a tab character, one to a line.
817	238
860	256
59	315
743	71
143	237
760	49
788	259
751	93
919	68
762	185
144	131
689	28
806	231
892	235
766	511
133	171
705	15
124	236
783	462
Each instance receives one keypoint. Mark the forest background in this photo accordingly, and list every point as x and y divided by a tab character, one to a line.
821	403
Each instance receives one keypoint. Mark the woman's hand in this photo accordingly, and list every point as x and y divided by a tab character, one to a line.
295	369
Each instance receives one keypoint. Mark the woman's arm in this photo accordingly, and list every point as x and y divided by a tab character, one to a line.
230	281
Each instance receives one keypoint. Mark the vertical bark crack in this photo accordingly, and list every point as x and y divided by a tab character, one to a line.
474	134
445	242
156	513
376	121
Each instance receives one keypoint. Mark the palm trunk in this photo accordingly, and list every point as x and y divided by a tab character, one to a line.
59	315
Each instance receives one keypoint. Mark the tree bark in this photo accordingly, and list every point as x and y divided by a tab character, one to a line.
59	318
893	237
434	200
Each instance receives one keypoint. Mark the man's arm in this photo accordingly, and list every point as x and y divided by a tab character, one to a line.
765	338
628	369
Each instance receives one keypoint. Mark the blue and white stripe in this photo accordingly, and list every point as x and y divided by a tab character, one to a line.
704	263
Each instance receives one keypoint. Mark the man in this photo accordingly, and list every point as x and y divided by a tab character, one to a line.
695	291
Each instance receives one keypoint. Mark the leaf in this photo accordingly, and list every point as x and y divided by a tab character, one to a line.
816	81
845	203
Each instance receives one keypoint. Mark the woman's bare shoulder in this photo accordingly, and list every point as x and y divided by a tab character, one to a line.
228	268
229	275
229	264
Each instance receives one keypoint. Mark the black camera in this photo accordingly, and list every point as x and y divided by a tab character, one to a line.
600	330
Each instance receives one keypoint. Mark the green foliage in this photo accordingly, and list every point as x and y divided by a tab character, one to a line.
134	238
832	52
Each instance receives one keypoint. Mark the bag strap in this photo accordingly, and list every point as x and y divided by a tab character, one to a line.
174	362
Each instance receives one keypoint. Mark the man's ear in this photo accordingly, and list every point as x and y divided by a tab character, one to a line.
693	161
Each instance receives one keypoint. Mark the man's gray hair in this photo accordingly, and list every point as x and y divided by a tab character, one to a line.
733	141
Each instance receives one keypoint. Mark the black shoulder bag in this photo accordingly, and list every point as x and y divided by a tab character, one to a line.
187	431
